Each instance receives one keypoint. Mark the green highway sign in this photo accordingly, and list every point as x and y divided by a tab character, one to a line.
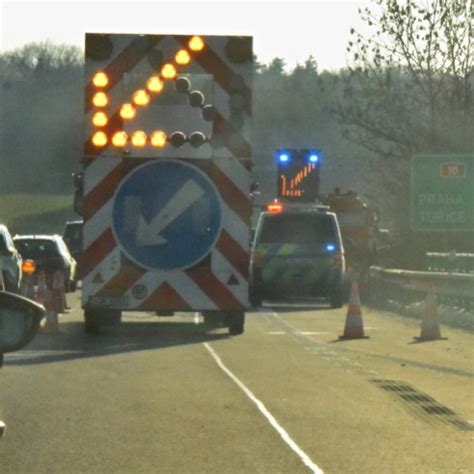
442	193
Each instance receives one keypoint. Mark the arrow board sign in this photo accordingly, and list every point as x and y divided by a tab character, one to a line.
166	215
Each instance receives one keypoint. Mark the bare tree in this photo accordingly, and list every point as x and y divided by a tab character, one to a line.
410	86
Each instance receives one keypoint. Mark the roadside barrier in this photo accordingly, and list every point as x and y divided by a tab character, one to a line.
404	291
354	327
429	325
450	262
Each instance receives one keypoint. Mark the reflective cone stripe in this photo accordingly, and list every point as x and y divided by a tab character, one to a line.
57	294
354	327
430	329
42	288
51	323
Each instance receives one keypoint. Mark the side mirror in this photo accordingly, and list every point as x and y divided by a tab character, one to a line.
19	321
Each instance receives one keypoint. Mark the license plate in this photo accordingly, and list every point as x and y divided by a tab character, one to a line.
112	301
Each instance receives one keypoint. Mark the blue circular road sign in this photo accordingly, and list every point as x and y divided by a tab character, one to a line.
166	215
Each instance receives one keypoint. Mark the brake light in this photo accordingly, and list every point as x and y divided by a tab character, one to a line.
256	259
275	207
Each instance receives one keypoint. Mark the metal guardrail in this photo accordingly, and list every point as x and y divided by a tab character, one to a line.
449	262
405	291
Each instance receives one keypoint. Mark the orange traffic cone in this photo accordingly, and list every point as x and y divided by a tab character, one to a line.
354	328
42	289
27	288
58	295
429	325
44	295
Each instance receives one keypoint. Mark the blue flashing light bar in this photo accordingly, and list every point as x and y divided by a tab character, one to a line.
283	157
330	247
313	158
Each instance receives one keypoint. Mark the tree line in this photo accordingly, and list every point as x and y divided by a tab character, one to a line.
408	89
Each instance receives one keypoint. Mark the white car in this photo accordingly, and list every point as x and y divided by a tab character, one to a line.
10	261
50	253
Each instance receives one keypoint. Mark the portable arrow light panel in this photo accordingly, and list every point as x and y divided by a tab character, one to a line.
298	174
166	169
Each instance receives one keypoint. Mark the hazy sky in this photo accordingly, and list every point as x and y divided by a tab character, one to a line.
291	30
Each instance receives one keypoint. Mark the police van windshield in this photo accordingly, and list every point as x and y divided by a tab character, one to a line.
297	229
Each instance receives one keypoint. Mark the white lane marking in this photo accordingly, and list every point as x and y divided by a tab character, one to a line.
312	333
277	333
271	419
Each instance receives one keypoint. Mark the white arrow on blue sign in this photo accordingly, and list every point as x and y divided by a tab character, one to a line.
166	215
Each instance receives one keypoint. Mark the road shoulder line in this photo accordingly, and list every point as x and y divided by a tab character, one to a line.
264	411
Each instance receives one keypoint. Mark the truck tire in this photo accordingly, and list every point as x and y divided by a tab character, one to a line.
91	325
236	323
255	298
95	319
113	317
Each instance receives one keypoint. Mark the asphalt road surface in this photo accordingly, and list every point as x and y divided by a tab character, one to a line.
169	395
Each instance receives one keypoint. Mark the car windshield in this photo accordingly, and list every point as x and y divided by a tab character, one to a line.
34	248
297	229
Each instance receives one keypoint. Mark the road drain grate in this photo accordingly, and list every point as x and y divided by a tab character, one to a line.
423	405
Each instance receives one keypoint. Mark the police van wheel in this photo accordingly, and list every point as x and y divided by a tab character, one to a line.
91	325
236	323
336	298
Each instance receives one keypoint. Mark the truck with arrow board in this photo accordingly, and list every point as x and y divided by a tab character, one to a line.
164	186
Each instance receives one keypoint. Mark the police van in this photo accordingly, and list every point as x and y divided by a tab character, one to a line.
297	253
